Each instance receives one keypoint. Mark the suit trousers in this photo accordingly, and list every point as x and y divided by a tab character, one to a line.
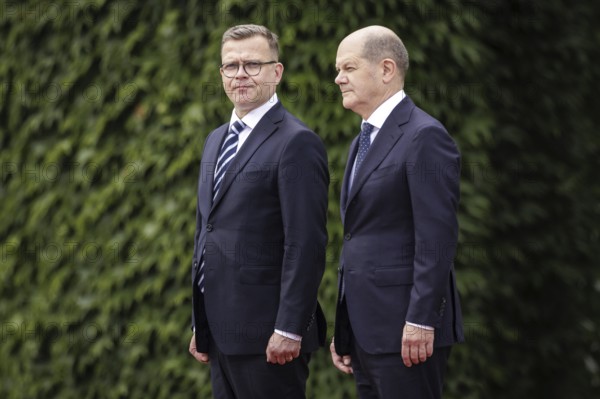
386	377
251	377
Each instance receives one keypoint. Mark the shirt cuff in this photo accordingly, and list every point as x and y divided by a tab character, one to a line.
420	326
295	337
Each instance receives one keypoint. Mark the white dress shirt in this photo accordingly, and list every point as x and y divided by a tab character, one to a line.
377	119
251	119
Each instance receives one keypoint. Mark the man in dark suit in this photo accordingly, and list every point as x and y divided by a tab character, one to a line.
398	311
259	251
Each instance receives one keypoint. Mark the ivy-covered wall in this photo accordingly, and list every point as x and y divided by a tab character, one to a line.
104	108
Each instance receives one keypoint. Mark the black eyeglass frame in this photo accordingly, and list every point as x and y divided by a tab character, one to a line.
260	64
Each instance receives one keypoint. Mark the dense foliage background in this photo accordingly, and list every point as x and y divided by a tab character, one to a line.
104	107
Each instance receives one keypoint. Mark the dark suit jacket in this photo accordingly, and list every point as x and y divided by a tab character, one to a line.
400	235
264	238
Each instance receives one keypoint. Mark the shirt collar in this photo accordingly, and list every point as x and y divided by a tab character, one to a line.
252	118
382	112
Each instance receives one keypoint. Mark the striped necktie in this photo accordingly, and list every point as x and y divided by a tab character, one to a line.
228	151
226	155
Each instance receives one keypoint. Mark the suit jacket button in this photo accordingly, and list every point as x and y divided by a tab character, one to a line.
348	236
209	227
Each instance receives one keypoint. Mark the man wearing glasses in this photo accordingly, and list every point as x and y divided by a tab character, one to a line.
259	247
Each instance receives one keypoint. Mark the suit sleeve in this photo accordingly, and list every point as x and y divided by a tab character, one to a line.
198	213
198	223
433	174
196	236
303	180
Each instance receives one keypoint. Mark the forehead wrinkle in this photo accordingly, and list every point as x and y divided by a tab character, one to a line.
348	59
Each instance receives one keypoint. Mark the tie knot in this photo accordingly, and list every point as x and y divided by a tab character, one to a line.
367	128
237	127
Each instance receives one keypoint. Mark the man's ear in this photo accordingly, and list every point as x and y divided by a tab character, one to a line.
389	68
279	70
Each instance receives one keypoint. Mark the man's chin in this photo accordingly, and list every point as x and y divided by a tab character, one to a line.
346	103
244	98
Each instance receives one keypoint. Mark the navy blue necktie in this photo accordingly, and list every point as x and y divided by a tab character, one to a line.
364	142
228	151
226	155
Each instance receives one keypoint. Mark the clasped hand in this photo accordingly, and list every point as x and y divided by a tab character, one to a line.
417	346
280	350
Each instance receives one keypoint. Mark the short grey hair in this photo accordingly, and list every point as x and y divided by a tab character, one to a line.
241	32
380	46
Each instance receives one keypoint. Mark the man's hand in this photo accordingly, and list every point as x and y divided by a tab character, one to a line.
342	363
282	350
199	356
417	344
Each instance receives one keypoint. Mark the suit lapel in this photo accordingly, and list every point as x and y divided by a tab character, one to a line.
209	164
347	172
387	137
262	131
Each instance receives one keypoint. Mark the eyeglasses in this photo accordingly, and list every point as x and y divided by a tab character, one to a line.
252	68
